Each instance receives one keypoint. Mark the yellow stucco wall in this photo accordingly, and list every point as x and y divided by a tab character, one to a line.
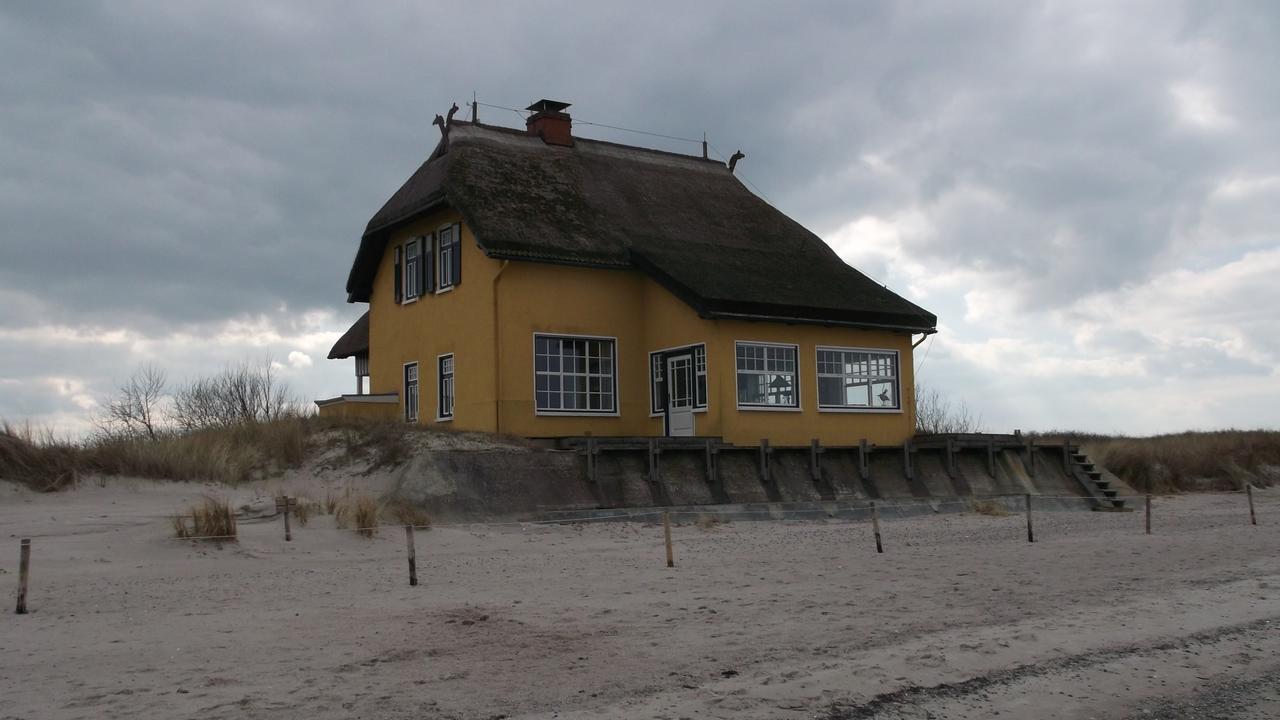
623	304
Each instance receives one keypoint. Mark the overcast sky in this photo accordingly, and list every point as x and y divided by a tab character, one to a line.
1086	194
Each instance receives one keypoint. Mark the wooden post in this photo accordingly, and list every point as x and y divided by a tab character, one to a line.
863	466
1066	453
991	458
666	531
815	465
413	555
951	458
1031	458
24	568
711	464
1253	517
283	504
653	462
1031	535
906	459
875	526
1148	513
591	460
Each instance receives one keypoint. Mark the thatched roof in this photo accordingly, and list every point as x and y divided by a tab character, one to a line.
686	221
354	341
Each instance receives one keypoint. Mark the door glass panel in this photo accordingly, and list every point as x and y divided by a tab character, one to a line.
680	382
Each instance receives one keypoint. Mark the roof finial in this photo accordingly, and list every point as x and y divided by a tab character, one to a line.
449	120
733	160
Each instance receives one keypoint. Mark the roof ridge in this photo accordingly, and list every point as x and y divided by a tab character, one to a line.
593	141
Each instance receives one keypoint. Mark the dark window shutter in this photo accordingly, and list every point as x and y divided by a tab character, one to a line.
457	254
399	280
428	264
423	249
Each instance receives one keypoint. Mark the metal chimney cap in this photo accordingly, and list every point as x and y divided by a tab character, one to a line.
545	105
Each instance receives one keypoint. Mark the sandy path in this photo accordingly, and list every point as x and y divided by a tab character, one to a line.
959	619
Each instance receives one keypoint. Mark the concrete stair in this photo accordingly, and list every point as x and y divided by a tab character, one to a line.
1096	481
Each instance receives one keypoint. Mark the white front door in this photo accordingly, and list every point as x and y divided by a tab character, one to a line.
680	395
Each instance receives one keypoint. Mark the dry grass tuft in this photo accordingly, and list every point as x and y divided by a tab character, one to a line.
304	509
359	513
1193	461
989	507
405	513
209	519
708	522
36	458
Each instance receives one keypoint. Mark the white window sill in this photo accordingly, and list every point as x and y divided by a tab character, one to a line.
768	408
571	413
411	300
871	411
444	419
443	290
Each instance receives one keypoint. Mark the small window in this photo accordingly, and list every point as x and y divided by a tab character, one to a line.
411	392
857	379
574	374
445	409
411	272
445	248
657	388
767	376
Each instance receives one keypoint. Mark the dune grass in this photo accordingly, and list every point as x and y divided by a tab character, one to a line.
358	513
211	518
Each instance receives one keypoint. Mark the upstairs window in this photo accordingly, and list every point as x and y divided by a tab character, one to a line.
444	411
852	379
574	375
767	376
412	270
449	256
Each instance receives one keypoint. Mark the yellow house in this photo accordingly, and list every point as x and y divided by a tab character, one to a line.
546	285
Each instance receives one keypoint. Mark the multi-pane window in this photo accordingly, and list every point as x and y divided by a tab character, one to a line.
411	392
767	375
657	371
411	271
857	379
445	250
444	409
574	374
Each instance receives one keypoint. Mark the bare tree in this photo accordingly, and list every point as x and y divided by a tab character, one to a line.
936	414
240	394
135	411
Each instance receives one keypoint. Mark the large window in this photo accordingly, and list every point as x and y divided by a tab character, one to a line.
444	408
574	374
767	376
411	270
411	392
658	371
857	379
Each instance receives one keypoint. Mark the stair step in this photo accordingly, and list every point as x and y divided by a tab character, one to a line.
1095	474
1110	493
1102	484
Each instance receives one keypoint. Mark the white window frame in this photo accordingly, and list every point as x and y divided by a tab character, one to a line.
897	381
441	266
417	391
696	374
410	277
798	407
453	386
617	386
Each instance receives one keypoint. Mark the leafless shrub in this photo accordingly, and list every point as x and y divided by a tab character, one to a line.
241	394
135	410
936	414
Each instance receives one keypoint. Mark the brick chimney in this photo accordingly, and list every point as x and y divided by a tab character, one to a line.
550	122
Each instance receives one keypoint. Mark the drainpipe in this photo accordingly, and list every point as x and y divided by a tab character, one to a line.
497	354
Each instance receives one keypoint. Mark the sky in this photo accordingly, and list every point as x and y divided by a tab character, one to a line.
1087	194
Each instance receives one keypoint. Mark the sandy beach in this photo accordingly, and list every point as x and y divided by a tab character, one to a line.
959	618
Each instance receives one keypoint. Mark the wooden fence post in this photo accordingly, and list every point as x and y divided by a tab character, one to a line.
1253	517
413	555
863	466
951	458
1148	513
24	568
1031	535
991	458
815	465
666	532
875	525
906	459
284	503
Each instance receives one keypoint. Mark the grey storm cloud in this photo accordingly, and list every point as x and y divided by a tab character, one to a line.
165	166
